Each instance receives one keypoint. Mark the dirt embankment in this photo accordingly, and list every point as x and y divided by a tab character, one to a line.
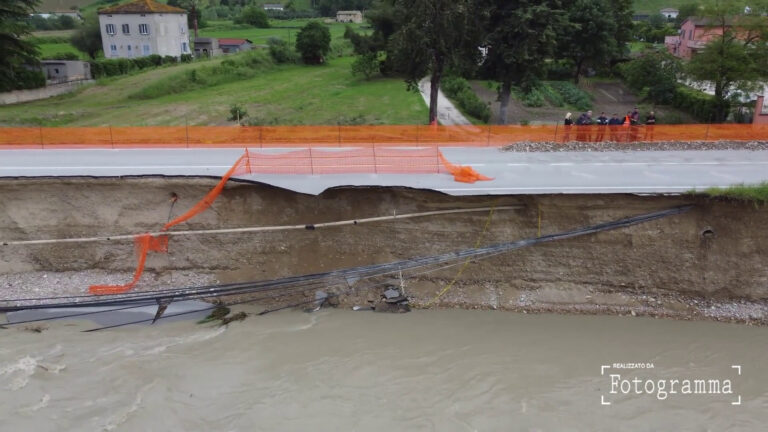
708	263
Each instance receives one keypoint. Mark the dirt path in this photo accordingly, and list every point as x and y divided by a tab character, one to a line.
447	113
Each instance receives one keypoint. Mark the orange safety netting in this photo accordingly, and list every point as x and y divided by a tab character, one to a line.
241	166
318	162
143	244
461	173
362	136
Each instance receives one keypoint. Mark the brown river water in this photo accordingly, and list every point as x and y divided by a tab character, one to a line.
338	370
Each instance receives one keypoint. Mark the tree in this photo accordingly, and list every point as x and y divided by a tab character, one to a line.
195	18
654	72
523	35
366	65
733	60
15	52
87	38
254	16
686	11
590	39
313	42
435	35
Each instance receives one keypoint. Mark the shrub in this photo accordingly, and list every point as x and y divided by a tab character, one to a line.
533	98
155	59
695	102
280	51
25	79
459	90
366	65
186	58
572	95
553	97
62	56
237	113
253	16
169	59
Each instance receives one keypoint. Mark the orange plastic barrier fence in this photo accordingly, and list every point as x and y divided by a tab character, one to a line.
361	136
143	244
327	162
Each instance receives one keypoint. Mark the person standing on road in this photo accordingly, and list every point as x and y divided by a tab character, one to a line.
568	122
602	121
650	122
613	125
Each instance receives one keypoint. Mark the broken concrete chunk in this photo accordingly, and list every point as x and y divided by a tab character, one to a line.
391	293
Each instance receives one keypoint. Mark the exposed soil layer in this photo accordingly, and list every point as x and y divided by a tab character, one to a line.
707	263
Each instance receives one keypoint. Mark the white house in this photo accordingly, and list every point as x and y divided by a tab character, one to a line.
669	13
351	16
144	27
273	6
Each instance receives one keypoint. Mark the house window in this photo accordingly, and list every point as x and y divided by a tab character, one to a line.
113	50
147	50
184	47
126	29
110	29
182	29
144	29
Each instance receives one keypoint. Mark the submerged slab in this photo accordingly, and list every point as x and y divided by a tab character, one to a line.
116	315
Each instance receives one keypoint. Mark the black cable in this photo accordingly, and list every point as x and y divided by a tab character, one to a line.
307	282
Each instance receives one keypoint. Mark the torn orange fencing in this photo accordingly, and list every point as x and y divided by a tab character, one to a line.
462	173
242	166
143	244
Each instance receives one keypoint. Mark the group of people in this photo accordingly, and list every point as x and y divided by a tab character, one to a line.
631	119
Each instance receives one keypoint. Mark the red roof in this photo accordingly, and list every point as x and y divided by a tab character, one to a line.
141	7
228	41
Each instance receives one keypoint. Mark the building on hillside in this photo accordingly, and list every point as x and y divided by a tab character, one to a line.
761	109
231	46
669	13
273	6
692	37
143	27
55	14
61	71
354	16
641	17
207	47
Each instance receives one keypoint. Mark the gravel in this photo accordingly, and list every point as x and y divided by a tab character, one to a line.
575	146
37	285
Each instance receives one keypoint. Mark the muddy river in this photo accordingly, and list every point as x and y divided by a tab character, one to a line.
334	370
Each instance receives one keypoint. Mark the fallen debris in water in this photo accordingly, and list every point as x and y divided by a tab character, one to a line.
392	301
236	317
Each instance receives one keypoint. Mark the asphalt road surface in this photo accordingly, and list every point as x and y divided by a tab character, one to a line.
514	173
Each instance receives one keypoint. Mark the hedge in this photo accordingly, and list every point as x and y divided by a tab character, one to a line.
459	90
112	67
695	102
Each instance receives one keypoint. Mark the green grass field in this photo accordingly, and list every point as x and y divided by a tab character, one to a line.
61	5
288	94
654	6
50	49
283	29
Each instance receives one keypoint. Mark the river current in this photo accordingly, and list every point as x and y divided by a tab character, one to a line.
337	370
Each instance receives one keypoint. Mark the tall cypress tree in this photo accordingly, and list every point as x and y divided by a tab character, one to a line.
15	52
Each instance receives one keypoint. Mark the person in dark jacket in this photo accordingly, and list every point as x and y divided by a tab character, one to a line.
602	121
650	122
613	125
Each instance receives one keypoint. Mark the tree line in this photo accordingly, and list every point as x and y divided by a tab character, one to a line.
515	42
